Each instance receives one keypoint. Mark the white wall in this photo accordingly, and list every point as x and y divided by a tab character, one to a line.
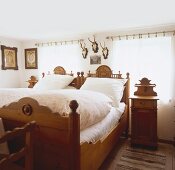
11	78
85	63
26	73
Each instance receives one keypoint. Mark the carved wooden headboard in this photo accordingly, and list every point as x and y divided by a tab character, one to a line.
77	82
105	71
59	70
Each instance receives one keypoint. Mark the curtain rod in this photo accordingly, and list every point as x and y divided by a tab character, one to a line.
54	43
139	35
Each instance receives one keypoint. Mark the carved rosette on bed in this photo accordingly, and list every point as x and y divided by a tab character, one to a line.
27	109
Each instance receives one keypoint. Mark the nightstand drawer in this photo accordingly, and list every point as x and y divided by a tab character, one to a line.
151	104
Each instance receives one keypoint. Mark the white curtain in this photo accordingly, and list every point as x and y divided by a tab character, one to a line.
152	58
67	56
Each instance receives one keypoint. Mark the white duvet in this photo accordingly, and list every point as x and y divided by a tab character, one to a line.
8	95
93	106
101	129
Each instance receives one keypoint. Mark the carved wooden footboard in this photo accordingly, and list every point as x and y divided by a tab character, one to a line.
57	138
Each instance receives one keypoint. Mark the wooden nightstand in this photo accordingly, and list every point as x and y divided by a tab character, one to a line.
144	120
144	115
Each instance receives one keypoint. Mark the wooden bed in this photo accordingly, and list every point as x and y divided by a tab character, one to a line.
57	139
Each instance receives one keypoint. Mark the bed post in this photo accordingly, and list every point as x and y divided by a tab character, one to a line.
127	103
74	136
80	79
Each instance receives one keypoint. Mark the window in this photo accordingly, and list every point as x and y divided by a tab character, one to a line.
151	58
67	56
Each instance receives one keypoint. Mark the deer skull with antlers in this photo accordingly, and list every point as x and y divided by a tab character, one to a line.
94	45
105	51
84	50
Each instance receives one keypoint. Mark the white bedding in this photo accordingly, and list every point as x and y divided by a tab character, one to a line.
102	128
93	106
98	119
8	95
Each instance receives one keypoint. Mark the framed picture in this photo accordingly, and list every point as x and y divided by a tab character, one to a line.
31	58
95	59
9	58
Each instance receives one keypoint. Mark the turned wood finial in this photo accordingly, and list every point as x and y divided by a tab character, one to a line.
43	74
119	75
127	75
73	105
78	73
89	73
82	73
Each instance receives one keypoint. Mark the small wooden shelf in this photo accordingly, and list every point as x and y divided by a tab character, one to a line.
145	88
32	81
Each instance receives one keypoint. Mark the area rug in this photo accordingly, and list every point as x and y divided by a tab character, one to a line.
139	159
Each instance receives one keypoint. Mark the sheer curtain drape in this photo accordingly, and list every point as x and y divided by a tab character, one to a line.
67	56
152	58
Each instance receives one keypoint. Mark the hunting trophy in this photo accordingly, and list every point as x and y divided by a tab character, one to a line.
94	45
84	50
105	51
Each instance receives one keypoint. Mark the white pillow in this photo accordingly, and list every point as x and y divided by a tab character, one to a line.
52	82
111	87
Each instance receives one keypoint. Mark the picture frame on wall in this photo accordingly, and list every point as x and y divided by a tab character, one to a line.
9	58
31	58
95	59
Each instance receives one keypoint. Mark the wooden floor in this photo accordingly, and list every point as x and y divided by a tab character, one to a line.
114	156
